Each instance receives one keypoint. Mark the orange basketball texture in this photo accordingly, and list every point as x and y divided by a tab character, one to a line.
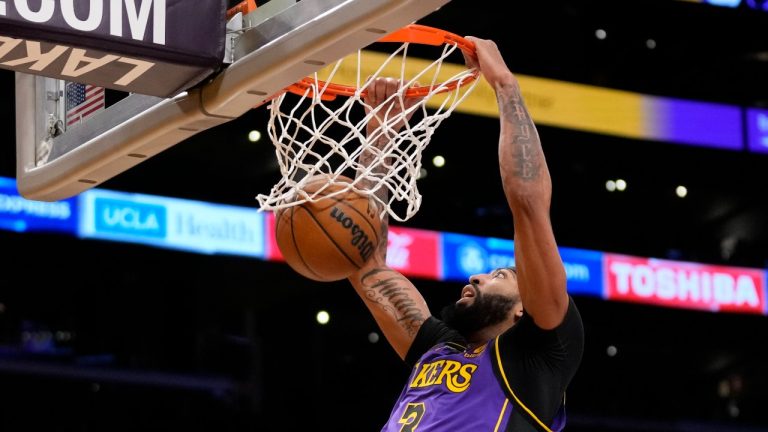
330	239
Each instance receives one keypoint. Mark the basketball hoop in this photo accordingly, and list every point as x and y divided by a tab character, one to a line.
322	134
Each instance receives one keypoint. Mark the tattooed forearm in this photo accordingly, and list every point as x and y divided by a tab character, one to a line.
383	238
392	292
372	160
526	148
367	158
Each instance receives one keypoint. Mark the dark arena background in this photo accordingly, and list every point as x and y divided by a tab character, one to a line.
100	335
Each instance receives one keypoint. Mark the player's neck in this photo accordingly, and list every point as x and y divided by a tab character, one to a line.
482	336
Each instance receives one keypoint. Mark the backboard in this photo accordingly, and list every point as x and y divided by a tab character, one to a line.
267	50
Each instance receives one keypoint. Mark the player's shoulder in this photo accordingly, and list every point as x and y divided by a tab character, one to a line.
433	332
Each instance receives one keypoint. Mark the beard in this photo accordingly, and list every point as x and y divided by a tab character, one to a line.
486	310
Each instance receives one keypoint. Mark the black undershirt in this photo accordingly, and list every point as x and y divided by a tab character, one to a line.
538	363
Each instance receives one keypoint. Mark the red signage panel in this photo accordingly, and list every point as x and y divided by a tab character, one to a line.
412	252
684	285
272	251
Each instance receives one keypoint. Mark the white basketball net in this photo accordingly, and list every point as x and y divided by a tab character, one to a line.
313	137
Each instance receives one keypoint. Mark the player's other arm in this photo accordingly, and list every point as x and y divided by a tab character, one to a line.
395	303
528	189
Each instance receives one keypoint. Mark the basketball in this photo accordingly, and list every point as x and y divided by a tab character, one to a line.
331	238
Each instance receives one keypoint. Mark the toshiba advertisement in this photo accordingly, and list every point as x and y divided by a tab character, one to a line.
684	285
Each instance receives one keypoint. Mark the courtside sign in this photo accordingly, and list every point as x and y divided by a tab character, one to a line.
684	285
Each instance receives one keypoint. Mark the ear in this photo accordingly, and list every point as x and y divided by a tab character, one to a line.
518	315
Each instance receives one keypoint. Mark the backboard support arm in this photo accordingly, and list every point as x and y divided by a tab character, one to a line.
268	57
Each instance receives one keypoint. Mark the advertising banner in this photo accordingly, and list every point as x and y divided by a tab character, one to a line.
621	113
23	215
152	47
757	130
465	255
584	270
684	285
172	223
412	252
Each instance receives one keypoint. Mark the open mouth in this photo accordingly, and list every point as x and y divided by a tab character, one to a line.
467	292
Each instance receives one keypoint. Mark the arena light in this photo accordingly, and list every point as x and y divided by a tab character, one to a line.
323	317
254	136
601	34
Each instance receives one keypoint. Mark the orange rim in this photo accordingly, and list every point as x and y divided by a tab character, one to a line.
413	33
245	6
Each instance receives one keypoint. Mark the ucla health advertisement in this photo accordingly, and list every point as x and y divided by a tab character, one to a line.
172	223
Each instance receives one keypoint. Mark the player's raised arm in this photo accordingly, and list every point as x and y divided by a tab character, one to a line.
395	303
528	189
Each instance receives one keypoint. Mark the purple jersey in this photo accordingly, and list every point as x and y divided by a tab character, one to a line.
456	389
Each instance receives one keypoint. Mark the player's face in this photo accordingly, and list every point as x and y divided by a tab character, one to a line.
502	281
487	300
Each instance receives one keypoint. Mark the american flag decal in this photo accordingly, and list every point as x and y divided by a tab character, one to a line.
83	101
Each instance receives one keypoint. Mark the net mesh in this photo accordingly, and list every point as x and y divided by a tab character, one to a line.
317	134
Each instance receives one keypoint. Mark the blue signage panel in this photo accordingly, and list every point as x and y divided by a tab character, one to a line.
724	3
129	218
465	255
757	130
22	215
172	223
584	269
759	5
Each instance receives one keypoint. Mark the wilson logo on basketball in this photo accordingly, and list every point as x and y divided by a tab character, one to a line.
359	238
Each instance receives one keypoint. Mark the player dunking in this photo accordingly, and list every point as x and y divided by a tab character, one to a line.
503	355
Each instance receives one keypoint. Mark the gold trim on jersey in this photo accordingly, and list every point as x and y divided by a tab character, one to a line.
509	387
501	415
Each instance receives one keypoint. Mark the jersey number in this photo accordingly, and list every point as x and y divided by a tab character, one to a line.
411	417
